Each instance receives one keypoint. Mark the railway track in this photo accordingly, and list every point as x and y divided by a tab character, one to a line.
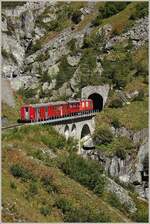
12	126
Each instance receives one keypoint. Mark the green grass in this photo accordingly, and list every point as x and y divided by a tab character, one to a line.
133	116
33	197
120	20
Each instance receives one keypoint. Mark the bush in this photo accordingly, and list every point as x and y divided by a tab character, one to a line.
26	93
118	72
64	205
13	185
112	8
115	123
76	17
142	213
20	172
65	73
114	201
48	184
12	4
45	210
87	172
33	188
85	215
72	46
103	135
116	103
141	11
121	146
33	48
140	96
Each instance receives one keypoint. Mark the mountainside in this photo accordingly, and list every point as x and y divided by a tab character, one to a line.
55	51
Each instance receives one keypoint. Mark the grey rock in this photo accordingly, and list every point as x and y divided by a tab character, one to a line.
141	135
7	93
121	194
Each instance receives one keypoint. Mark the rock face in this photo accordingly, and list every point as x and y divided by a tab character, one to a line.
121	194
138	34
7	93
133	169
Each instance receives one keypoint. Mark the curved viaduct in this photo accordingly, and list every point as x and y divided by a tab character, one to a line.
81	131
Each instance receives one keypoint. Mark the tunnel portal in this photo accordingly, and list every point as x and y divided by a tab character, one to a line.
97	101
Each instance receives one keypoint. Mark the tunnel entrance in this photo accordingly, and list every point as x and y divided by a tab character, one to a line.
97	101
86	138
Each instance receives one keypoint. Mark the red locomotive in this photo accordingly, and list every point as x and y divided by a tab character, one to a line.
41	112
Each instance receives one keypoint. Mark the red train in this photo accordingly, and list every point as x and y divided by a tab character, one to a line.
38	112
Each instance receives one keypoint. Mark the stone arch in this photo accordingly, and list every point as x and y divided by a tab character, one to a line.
97	101
66	132
102	90
86	138
73	130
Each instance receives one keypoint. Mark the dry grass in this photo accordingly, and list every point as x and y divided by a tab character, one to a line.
120	20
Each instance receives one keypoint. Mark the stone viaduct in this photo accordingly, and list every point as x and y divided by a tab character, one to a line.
82	129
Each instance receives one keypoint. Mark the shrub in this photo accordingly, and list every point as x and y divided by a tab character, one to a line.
114	201
103	135
111	8
115	123
33	188
45	210
141	11
64	205
76	17
48	184
19	171
26	93
10	4
13	185
85	215
5	53
72	46
121	146
140	96
142	213
116	103
87	172
97	21
65	73
54	141
118	72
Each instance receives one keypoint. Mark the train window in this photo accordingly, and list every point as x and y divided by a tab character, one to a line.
26	109
46	109
87	104
82	104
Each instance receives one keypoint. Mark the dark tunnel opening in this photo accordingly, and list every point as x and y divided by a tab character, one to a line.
97	101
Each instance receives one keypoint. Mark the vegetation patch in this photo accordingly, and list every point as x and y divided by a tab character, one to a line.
20	172
65	73
88	173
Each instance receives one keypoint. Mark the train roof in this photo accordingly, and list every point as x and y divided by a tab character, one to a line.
53	103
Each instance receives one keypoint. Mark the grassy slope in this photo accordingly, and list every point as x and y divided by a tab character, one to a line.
17	150
133	116
120	20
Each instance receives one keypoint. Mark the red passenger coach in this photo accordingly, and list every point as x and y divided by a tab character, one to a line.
38	112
